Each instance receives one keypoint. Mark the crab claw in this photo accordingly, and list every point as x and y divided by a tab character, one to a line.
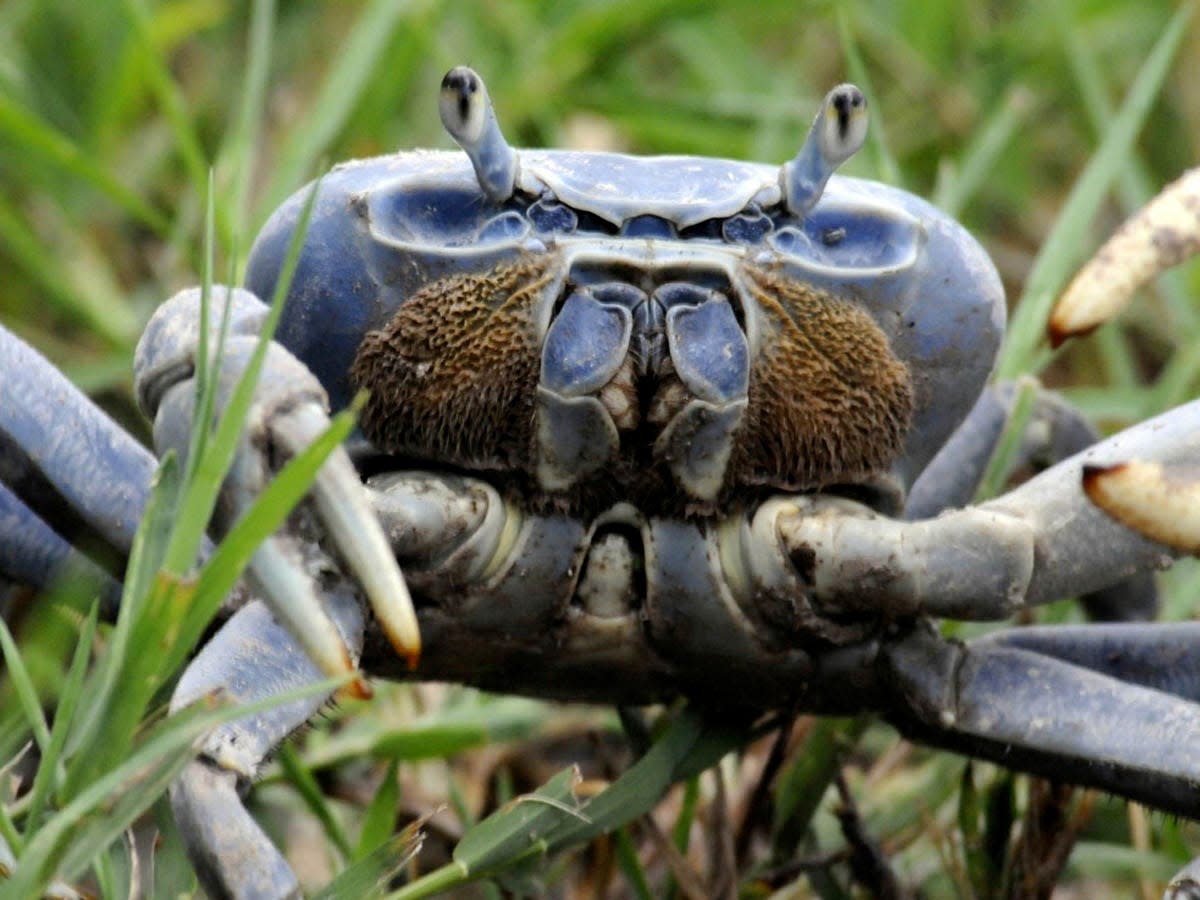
837	133
1150	499
286	416
468	116
1162	234
351	524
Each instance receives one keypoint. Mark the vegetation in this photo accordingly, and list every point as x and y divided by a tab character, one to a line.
1039	124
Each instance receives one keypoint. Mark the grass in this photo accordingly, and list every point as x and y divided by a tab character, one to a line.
1040	125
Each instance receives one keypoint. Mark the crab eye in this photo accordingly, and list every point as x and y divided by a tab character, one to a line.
467	114
837	133
842	123
463	105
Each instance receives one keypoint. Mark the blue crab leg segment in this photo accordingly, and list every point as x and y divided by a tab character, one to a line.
251	658
1031	711
1055	431
467	113
1040	542
837	133
34	554
69	463
1164	233
1160	502
1158	655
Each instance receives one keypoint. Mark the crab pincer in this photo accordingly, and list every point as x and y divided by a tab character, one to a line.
287	414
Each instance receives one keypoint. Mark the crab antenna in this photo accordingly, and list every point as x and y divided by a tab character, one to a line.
467	113
837	132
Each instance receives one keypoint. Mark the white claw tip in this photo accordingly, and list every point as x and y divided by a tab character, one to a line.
1145	497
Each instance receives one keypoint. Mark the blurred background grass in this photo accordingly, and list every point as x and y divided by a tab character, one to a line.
111	114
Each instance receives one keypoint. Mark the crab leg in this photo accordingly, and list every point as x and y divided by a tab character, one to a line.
33	553
1040	542
1158	655
1031	711
1054	431
77	475
252	658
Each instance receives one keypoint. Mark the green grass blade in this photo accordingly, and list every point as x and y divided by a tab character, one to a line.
37	137
1064	245
301	778
23	685
631	867
444	733
93	729
1000	465
801	786
50	767
196	507
205	384
886	167
91	821
689	745
1135	185
369	877
113	323
236	156
986	147
358	60
381	815
169	95
11	842
530	828
94	818
265	516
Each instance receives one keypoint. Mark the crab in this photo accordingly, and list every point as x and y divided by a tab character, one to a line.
637	427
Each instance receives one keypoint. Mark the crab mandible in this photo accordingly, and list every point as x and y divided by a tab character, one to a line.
638	427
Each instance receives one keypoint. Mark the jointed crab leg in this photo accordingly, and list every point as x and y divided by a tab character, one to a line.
1031	711
1158	655
33	553
1038	543
75	472
251	658
1054	431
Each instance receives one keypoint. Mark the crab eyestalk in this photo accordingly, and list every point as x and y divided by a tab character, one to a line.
837	133
468	116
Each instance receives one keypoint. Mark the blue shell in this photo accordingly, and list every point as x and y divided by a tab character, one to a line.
383	227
